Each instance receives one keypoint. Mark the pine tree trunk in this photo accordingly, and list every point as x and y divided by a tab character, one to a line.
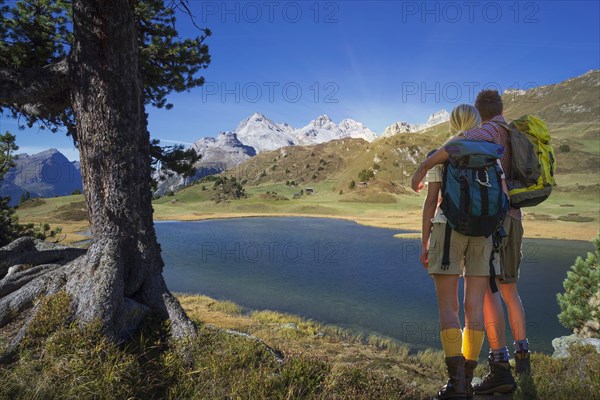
119	280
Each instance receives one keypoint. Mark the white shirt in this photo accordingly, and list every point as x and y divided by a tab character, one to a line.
436	174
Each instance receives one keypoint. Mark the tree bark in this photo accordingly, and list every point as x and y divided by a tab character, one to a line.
119	280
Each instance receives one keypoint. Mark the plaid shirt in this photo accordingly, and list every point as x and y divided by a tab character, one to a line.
491	131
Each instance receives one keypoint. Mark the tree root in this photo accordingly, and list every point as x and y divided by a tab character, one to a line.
33	252
95	280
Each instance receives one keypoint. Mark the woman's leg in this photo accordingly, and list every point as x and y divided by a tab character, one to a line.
446	287
475	289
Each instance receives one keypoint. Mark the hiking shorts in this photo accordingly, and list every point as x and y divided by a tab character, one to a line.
510	250
469	255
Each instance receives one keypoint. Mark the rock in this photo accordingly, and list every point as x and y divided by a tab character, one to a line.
561	344
290	325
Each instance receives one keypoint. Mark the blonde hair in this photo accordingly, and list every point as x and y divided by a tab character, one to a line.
463	118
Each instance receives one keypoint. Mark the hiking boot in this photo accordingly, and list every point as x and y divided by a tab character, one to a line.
455	388
469	368
522	365
498	380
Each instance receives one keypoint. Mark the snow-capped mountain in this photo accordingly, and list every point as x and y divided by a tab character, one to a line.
350	128
406	127
225	148
320	130
437	118
323	129
263	134
400	127
218	154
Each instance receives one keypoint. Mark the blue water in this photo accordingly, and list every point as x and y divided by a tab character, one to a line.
342	273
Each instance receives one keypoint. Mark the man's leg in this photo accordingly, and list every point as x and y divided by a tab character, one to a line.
516	312
495	324
510	254
499	378
517	321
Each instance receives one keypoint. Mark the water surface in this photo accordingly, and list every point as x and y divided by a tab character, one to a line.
343	273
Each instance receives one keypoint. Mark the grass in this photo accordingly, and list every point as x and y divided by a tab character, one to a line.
65	211
58	360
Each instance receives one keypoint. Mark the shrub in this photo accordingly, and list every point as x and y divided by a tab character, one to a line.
352	184
365	175
578	304
565	148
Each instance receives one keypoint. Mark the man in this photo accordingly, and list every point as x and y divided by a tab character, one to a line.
499	378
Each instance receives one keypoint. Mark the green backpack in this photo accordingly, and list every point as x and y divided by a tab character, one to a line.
533	162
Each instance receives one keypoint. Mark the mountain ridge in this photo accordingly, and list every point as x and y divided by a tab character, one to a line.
45	174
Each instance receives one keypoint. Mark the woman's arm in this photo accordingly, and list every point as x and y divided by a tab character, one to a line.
429	207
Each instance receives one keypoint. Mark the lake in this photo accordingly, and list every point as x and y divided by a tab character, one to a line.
343	273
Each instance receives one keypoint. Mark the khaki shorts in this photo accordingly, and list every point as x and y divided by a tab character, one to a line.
510	250
469	255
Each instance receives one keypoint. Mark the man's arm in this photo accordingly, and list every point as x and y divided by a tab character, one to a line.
439	157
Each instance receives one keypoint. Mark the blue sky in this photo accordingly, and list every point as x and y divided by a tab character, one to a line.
374	61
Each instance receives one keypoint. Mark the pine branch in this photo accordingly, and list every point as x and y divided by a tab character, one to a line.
36	91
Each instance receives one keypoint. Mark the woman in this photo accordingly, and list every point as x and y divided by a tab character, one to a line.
469	257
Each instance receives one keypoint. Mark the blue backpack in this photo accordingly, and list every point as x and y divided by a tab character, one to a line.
472	196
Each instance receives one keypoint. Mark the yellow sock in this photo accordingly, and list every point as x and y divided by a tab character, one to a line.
451	342
471	344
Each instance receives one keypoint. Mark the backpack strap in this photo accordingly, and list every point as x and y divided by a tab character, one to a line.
504	125
446	253
483	190
496	238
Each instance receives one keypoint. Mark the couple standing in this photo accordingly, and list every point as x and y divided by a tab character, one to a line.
471	257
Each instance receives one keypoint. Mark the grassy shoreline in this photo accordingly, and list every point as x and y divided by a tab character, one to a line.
255	355
534	229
